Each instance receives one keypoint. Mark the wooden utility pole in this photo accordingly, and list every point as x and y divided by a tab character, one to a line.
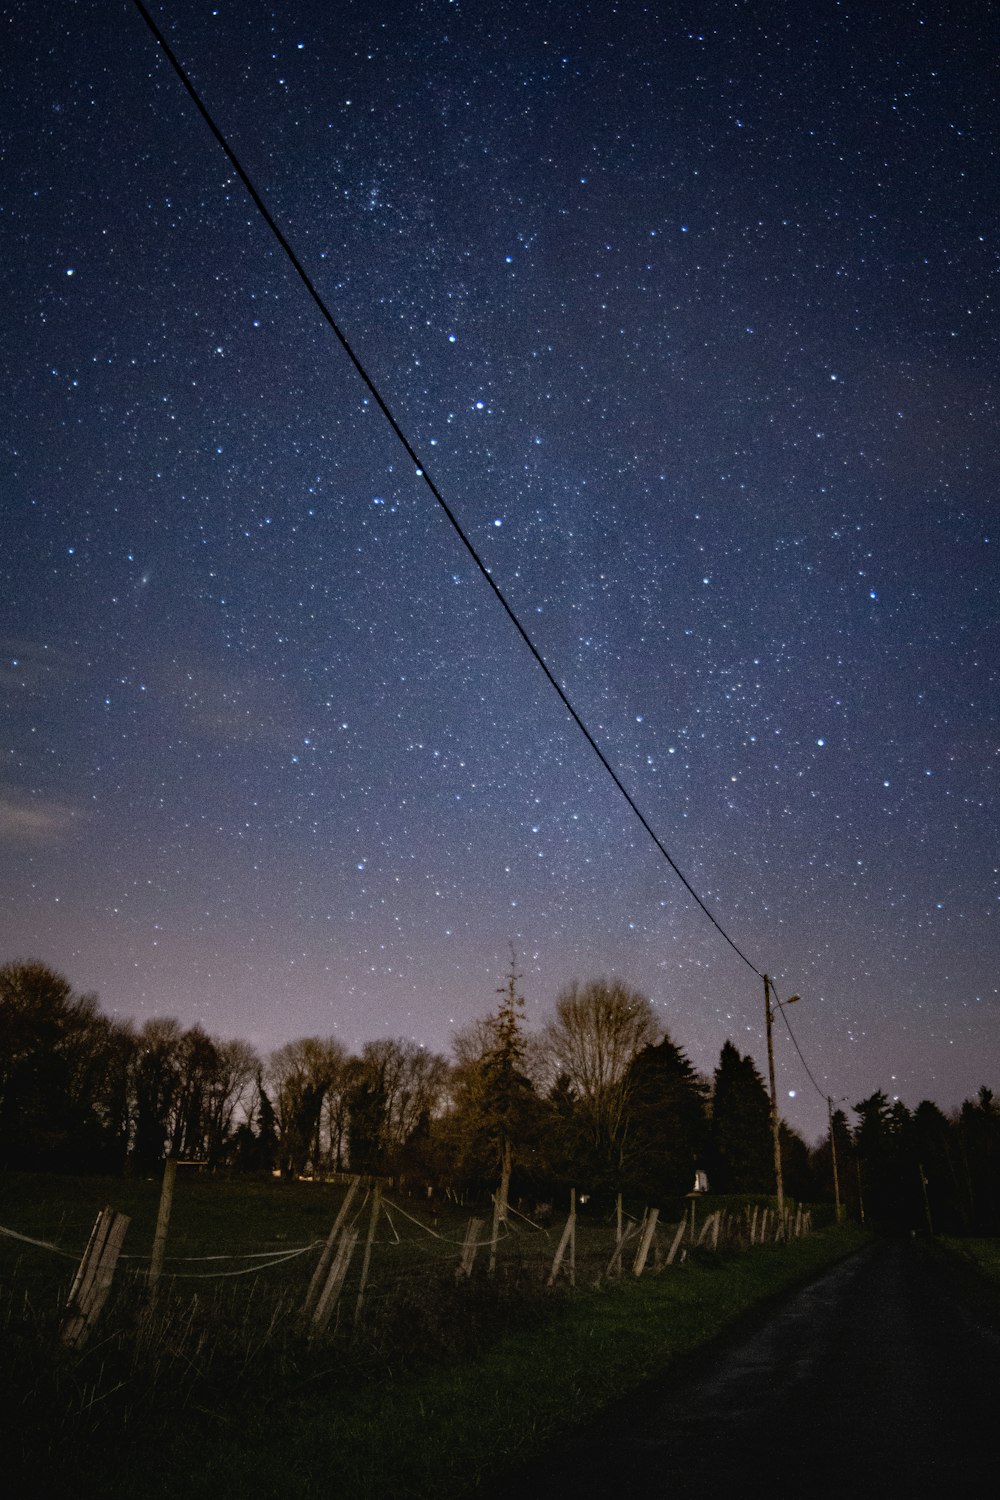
775	1128
775	1122
833	1155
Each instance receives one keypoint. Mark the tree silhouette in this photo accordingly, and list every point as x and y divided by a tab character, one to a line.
668	1135
742	1152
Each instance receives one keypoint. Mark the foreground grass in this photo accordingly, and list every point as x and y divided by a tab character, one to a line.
983	1254
216	1391
441	1432
979	1259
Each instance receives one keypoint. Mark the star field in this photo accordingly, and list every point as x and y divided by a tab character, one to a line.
692	319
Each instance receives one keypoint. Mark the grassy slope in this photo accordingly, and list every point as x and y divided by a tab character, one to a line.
984	1254
979	1263
347	1418
437	1433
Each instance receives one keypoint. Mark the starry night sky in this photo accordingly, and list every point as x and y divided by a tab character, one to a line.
691	313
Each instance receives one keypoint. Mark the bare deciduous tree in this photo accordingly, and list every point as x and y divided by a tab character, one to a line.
301	1075
599	1028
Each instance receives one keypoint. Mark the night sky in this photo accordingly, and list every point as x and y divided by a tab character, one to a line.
691	312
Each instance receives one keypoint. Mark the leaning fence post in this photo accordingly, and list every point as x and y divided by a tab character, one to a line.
675	1244
652	1214
327	1252
615	1263
469	1247
92	1282
376	1209
162	1223
334	1281
568	1239
753	1225
710	1226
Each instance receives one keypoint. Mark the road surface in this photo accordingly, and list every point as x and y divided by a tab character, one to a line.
879	1379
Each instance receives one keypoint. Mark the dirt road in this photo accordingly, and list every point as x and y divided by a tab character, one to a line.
878	1379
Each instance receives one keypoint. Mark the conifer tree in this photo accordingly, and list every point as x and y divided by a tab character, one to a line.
743	1159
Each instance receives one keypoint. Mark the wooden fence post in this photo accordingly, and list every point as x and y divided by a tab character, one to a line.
376	1209
162	1223
500	1198
326	1253
572	1237
675	1244
568	1240
469	1247
652	1214
753	1225
334	1282
615	1263
92	1282
710	1226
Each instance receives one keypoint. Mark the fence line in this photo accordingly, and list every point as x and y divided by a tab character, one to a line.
42	1244
445	1239
723	1228
279	1260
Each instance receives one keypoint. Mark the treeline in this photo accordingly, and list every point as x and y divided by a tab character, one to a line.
601	1098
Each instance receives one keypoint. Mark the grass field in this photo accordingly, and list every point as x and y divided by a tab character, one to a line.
984	1255
217	1391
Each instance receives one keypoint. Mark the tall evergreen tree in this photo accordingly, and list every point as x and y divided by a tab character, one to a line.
495	1124
742	1151
667	1139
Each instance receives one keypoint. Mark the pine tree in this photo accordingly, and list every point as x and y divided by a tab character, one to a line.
667	1138
742	1152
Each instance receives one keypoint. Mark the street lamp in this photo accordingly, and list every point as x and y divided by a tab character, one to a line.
775	1128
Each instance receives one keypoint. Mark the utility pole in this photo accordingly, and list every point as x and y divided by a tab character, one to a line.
833	1153
775	1129
769	1010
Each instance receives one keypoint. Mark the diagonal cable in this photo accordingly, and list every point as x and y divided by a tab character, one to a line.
784	1013
422	472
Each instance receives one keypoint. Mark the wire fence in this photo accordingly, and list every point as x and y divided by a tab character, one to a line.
401	1254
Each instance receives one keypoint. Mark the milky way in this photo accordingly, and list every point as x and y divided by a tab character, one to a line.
692	318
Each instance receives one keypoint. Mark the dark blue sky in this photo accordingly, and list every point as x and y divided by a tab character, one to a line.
691	312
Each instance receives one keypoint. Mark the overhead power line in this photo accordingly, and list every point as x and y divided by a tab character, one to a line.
422	471
791	1033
